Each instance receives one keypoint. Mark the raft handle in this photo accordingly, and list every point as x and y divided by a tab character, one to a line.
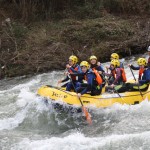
136	102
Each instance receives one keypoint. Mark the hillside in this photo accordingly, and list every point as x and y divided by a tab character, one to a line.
39	36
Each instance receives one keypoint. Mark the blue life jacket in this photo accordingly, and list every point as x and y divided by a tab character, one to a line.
147	74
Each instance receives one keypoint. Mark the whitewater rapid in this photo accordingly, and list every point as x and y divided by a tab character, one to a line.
26	123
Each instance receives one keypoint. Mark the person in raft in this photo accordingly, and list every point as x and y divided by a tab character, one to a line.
144	76
94	81
114	56
95	66
148	50
72	67
119	76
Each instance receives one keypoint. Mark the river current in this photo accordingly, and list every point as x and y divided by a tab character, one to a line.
26	123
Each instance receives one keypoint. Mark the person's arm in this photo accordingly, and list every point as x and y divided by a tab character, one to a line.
66	79
134	68
76	71
77	74
89	83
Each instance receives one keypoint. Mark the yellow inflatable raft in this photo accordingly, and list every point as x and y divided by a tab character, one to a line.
103	100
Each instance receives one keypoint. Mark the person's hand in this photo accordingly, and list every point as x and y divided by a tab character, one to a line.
79	95
98	63
100	72
60	81
67	73
107	67
112	85
129	65
68	66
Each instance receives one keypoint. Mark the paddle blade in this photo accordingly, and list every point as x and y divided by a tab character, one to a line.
87	115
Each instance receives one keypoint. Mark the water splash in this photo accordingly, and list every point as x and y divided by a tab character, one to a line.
79	141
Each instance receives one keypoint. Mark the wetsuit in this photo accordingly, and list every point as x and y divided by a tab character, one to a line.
118	79
91	85
76	81
144	81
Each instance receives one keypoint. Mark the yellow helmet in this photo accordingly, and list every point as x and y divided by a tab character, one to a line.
73	58
93	57
141	61
115	62
114	56
84	63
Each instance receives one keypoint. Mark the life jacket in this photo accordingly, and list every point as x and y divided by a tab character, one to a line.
147	74
123	74
70	71
113	72
98	77
141	71
85	78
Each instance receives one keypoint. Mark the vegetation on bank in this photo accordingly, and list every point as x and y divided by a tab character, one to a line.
39	36
31	10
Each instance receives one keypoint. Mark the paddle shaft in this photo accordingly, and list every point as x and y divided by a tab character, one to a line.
135	80
75	89
115	90
87	115
119	95
132	73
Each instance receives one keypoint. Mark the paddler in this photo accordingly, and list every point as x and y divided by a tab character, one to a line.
94	81
72	67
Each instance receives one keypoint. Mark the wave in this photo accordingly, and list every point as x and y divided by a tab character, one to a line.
79	141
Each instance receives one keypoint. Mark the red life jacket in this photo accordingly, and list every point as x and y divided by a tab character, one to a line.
98	77
123	74
70	71
141	70
113	72
85	78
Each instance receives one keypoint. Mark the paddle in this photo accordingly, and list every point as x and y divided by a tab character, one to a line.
87	115
115	91
137	84
119	95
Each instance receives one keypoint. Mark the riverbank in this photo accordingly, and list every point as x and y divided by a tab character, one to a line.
41	46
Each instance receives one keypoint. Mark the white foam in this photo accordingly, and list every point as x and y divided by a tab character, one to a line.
13	122
20	86
24	102
79	141
142	108
24	97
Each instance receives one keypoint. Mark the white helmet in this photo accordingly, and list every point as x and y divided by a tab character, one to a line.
148	49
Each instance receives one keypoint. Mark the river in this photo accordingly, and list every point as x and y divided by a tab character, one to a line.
26	123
